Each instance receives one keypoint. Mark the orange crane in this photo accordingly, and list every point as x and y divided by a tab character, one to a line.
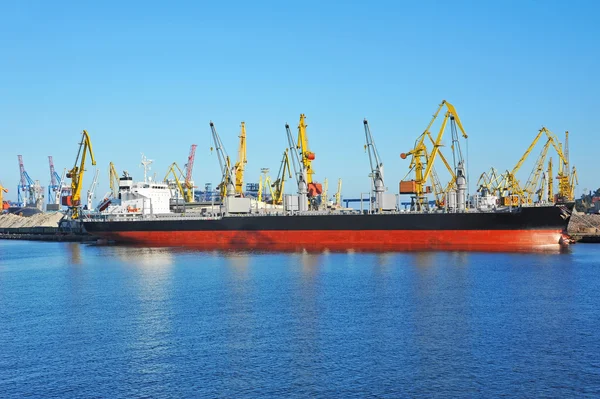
2	191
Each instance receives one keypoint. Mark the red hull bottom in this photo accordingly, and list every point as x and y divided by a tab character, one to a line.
475	240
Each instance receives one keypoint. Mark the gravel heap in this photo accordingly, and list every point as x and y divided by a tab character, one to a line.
49	219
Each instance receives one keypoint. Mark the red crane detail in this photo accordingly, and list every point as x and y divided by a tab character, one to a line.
53	180
190	164
22	171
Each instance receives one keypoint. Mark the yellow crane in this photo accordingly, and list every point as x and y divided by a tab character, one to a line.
531	185
113	178
302	145
173	170
566	182
76	173
278	185
2	191
422	161
573	181
516	193
241	163
307	157
550	182
338	195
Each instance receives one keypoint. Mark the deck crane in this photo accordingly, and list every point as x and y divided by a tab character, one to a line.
278	185
240	165
376	168
300	172
92	190
422	161
314	189
55	186
178	176
226	187
440	192
189	183
113	178
77	172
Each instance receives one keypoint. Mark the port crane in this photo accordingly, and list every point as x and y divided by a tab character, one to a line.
566	182
338	195
573	181
531	186
376	167
226	187
514	193
55	186
77	172
175	171
92	190
240	165
302	157
278	185
422	160
300	172
2	191
34	191
189	183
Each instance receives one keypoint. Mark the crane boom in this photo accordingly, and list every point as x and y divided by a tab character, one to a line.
226	186
113	178
302	145
241	162
2	191
92	190
175	171
189	183
422	160
338	194
279	183
77	172
376	166
299	171
55	185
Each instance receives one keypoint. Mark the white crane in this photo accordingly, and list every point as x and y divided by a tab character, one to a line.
299	171
376	167
92	189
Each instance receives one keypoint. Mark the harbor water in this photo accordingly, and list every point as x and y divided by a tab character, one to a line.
79	320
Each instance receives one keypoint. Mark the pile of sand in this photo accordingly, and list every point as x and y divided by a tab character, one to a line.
49	219
588	224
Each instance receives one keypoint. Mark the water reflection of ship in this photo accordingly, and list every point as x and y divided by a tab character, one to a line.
144	256
74	250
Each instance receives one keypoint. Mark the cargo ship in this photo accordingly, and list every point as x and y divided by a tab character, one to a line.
144	214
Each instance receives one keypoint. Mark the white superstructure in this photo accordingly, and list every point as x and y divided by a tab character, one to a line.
147	197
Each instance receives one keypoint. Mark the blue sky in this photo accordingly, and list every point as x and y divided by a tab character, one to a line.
148	77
